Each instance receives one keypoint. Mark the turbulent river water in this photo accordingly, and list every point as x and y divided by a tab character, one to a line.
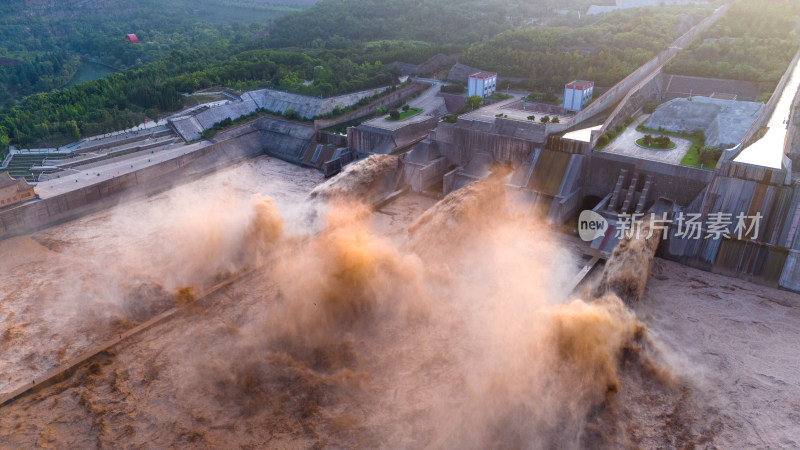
422	324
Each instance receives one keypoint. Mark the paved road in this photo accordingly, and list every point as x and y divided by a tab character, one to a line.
489	112
768	151
625	144
427	100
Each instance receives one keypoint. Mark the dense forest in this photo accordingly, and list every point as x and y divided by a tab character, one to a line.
42	42
334	47
318	48
345	24
754	41
125	99
604	48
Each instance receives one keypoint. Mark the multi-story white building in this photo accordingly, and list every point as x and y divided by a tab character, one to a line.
577	94
482	84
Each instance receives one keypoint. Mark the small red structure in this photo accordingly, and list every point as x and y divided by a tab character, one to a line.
132	38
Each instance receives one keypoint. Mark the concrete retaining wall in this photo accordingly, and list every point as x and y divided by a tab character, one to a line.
191	127
159	177
735	196
370	139
792	144
751	172
506	140
88	146
790	277
629	83
429	175
396	98
680	183
307	107
649	89
283	138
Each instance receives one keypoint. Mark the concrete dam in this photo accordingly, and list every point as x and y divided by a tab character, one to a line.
556	177
552	176
555	170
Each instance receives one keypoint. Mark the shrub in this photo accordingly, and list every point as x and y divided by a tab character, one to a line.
555	120
381	110
649	107
662	141
291	114
647	140
545	119
406	107
450	118
708	154
394	114
474	101
531	117
603	140
620	127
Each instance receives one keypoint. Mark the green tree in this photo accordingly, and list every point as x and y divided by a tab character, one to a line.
394	114
73	132
474	101
708	154
4	140
291	114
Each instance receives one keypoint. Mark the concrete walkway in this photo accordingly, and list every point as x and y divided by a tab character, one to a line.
113	168
428	100
625	144
489	112
768	151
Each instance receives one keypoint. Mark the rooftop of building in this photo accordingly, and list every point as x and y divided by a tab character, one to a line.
6	180
483	75
580	84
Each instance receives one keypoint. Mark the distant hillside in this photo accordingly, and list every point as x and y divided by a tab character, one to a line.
754	41
46	39
602	48
348	23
